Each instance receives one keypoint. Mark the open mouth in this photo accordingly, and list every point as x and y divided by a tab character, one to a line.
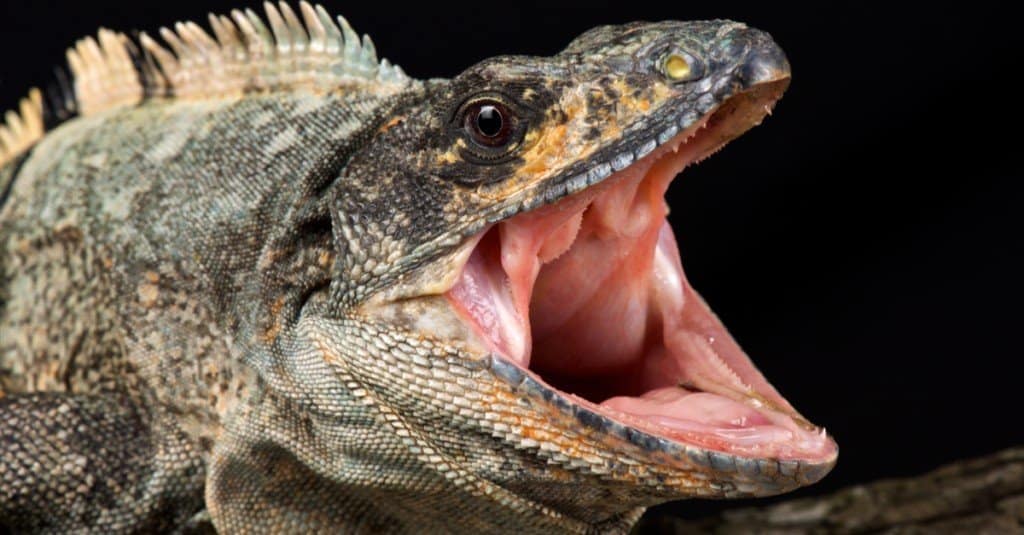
588	296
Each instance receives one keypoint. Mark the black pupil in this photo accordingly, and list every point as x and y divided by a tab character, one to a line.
489	121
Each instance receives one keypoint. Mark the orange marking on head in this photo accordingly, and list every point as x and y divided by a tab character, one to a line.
391	124
549	148
630	105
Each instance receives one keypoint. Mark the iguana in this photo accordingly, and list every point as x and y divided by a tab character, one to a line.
260	281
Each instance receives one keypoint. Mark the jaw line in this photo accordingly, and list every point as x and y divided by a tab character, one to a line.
739	112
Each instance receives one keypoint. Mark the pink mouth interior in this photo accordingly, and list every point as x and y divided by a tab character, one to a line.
589	295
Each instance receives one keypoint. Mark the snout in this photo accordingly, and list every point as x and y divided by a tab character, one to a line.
765	62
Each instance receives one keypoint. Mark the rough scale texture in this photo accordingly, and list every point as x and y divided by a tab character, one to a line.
211	278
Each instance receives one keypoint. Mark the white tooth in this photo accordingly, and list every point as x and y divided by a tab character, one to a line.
622	161
646	148
668	134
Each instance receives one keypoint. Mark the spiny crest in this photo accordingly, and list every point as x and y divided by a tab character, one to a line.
21	128
243	55
308	50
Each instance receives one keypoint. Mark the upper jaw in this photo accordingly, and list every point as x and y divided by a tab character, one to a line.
651	133
750	88
750	76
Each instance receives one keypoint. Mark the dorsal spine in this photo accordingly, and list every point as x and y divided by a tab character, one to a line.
307	50
21	128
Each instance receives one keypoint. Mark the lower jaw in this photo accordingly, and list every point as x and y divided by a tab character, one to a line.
729	475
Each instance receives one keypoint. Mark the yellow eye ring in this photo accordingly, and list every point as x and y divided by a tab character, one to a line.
676	67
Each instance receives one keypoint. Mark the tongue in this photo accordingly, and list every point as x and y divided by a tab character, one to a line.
714	420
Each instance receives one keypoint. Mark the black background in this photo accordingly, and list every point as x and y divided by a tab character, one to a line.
864	244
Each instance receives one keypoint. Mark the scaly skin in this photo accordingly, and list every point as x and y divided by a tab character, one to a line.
212	309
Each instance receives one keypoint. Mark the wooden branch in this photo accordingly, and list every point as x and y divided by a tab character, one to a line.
976	496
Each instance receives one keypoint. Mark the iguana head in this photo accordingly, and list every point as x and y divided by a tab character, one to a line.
516	246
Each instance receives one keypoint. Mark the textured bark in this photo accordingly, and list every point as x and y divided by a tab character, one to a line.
976	496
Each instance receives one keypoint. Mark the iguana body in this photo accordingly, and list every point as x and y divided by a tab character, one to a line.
261	281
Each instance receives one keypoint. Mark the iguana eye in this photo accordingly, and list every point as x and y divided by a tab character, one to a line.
489	123
679	66
490	128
